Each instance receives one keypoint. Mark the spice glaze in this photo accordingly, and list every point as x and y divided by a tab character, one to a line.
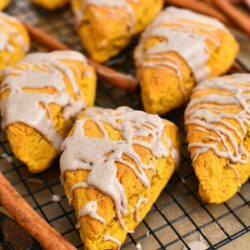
183	32
41	71
8	32
223	112
100	155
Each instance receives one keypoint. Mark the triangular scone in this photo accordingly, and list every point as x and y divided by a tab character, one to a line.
217	121
14	41
4	3
40	99
177	50
114	165
107	26
51	4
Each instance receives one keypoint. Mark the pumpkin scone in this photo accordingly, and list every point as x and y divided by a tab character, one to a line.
179	49
14	41
217	121
40	98
51	4
107	26
4	3
114	165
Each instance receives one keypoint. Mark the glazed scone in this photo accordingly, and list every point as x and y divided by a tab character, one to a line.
179	49
217	121
40	98
4	3
114	165
51	4
107	26
14	41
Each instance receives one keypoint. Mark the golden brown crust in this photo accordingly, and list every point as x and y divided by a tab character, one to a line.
219	177
4	3
11	57
92	231
161	86
28	144
51	4
103	36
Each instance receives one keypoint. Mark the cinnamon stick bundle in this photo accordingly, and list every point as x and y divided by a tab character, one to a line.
24	214
200	7
222	10
235	15
118	79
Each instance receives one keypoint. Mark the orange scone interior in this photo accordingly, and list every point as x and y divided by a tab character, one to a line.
107	26
217	121
51	4
14	41
114	165
40	98
179	49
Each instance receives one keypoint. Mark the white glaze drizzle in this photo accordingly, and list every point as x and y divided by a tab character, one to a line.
137	207
90	209
23	106
109	5
56	198
109	237
7	30
182	37
7	157
206	112
174	153
138	246
82	152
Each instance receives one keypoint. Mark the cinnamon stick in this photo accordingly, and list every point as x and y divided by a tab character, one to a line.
200	7
236	68
21	211
118	79
235	15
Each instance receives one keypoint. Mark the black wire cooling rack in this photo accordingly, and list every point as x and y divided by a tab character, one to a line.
179	215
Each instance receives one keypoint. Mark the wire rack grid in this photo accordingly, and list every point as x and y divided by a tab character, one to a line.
179	215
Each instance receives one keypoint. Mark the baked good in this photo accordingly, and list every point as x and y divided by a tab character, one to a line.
4	3
179	49
40	98
107	26
14	41
217	121
114	165
51	4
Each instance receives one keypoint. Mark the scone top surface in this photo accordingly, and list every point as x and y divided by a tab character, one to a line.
4	3
217	121
51	4
106	26
14	40
179	49
114	165
45	92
